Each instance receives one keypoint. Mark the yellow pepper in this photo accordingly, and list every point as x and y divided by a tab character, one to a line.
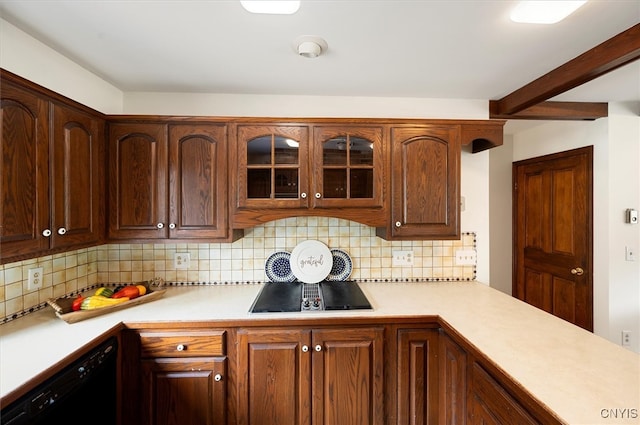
98	301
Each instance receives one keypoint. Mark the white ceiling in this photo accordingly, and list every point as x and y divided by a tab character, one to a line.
432	49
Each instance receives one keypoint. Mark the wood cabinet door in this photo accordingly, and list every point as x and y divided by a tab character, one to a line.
348	376
273	167
348	167
184	391
425	182
452	382
138	204
417	372
198	181
77	170
490	404
274	377
24	149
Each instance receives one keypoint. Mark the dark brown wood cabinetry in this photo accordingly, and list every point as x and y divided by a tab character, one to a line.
417	377
167	181
453	382
308	169
425	183
180	378
52	174
490	404
304	376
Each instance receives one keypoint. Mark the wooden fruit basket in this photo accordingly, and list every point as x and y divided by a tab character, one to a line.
63	305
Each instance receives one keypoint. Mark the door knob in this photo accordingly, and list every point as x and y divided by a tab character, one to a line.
577	271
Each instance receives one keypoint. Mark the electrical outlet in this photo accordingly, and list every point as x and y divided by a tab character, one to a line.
630	254
626	338
466	257
35	278
403	258
181	260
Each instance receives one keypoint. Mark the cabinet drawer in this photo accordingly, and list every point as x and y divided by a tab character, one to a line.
182	344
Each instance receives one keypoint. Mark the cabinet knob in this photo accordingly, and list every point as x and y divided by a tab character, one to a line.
62	231
318	196
398	224
46	233
172	225
160	225
318	347
217	378
305	348
577	271
303	195
181	347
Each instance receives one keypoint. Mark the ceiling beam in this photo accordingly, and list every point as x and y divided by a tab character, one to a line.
618	51
587	111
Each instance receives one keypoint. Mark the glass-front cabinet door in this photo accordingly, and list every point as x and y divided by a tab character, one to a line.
273	166
348	167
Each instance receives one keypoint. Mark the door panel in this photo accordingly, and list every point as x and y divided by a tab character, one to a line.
274	382
347	377
77	182
198	194
553	234
24	150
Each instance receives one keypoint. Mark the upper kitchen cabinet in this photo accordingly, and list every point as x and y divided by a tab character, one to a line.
425	182
272	167
78	178
348	167
167	180
52	174
25	173
306	169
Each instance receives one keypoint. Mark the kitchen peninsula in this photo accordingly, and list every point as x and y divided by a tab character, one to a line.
559	372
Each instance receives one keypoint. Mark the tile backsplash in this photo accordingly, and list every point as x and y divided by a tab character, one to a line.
238	262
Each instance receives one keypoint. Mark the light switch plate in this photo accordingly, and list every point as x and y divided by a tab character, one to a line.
630	254
181	260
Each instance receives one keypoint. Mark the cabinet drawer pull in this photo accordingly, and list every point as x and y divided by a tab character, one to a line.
160	225
303	195
46	233
217	378
398	224
181	347
318	347
62	231
305	348
318	196
172	225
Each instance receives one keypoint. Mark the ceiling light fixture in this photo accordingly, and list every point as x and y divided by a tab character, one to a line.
309	46
544	12
284	7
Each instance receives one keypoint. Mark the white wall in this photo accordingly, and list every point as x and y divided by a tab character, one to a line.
500	215
616	142
23	55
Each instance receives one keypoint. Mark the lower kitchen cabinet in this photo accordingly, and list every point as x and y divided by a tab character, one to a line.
184	391
310	376
453	382
417	376
174	378
490	404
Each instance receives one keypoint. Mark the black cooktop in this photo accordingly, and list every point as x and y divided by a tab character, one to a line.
287	297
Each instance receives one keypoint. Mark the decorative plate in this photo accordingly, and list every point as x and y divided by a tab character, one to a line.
278	268
311	261
342	266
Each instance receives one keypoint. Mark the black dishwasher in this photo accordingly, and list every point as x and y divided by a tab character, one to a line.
81	393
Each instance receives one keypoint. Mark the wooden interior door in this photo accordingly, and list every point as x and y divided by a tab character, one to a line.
553	226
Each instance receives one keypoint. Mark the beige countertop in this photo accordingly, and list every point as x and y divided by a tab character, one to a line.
573	372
